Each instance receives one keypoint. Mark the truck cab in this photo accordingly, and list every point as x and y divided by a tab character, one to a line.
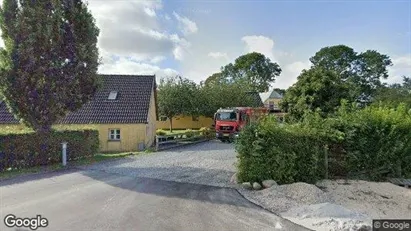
228	122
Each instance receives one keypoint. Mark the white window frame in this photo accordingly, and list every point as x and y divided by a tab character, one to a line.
112	95
114	134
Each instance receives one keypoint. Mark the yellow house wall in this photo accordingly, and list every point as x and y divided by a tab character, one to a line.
275	101
130	136
15	128
186	122
151	125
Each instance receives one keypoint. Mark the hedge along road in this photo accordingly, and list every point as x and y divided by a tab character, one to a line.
134	194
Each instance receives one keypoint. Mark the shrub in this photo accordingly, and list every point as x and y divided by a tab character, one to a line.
189	133
377	142
31	149
371	144
161	132
206	132
285	153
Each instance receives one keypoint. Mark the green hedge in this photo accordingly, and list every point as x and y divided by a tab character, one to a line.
372	144
268	150
377	142
31	149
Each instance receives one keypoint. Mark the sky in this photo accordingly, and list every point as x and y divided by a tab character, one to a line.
194	38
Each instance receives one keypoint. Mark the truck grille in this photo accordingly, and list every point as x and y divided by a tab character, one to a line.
226	128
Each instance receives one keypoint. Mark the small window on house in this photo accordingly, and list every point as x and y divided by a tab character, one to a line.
271	105
194	118
163	118
112	95
114	134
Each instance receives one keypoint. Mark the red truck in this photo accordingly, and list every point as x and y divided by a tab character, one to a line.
228	122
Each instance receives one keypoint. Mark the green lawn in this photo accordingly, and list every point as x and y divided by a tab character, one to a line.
85	161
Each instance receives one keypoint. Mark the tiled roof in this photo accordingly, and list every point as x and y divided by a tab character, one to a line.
275	95
5	116
257	102
131	106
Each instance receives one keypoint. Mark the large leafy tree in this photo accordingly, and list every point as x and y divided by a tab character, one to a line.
316	89
177	96
254	70
213	79
50	60
363	71
338	73
223	95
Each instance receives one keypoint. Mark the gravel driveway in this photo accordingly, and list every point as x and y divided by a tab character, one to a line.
209	163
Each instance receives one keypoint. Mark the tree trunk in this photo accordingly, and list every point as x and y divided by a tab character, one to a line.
171	123
43	134
43	129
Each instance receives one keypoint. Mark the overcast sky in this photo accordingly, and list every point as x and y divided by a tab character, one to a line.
195	38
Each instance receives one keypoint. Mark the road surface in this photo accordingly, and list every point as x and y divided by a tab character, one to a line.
91	199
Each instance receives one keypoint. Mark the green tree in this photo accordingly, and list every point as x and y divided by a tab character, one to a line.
338	73
394	94
253	68
223	95
316	90
363	71
177	96
50	60
214	79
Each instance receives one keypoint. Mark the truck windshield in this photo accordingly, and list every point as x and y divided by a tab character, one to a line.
228	116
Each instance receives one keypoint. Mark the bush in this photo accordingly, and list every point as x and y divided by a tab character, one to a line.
31	149
285	153
206	132
189	133
377	142
161	132
370	144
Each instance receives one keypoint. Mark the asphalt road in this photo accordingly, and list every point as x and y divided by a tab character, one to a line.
96	200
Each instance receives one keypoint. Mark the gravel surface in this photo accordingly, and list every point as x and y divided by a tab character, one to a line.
279	199
338	205
380	200
208	163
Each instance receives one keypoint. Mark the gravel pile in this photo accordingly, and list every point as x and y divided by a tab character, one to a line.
327	216
380	200
335	205
209	163
279	199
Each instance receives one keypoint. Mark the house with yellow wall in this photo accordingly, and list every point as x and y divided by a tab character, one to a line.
185	122
273	104
273	101
123	110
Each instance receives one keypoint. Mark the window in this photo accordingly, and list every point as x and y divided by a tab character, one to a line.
194	118
114	134
163	118
271	106
112	95
226	116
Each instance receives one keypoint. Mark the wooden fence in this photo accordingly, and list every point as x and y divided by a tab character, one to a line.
180	139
